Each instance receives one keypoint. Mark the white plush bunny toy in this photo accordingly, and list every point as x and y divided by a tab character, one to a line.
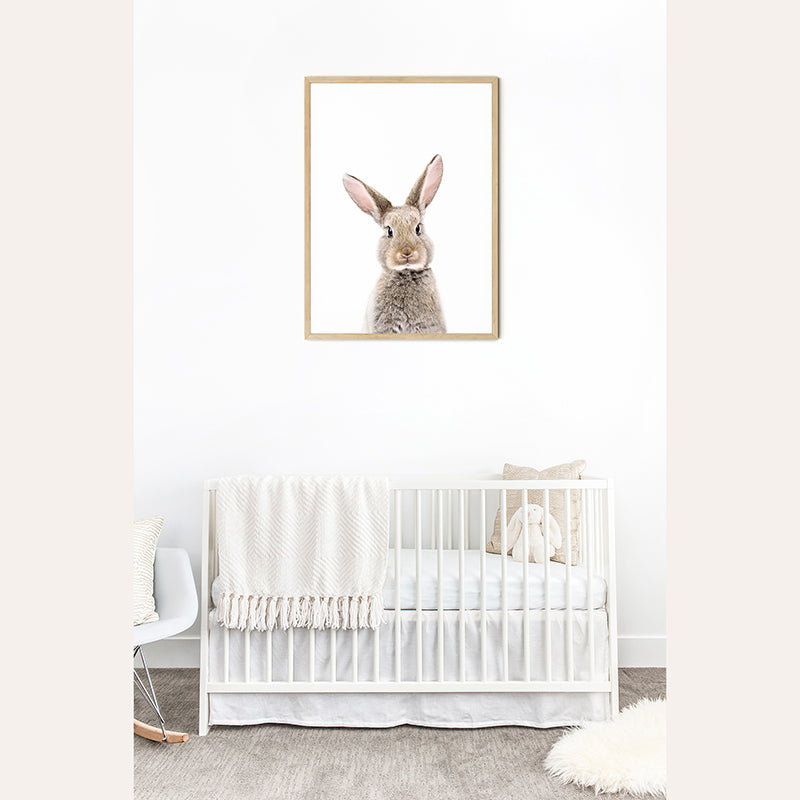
515	539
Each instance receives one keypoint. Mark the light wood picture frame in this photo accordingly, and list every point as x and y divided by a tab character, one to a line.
429	137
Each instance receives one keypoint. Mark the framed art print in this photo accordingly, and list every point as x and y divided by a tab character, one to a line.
401	212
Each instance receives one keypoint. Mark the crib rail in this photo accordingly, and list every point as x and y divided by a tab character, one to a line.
441	514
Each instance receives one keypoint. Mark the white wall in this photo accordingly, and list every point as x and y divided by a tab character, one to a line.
225	382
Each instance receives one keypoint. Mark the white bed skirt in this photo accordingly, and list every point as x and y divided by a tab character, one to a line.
445	709
384	710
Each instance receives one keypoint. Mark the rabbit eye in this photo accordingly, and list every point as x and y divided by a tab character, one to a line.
389	232
418	229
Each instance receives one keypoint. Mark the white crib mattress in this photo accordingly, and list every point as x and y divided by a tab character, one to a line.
472	583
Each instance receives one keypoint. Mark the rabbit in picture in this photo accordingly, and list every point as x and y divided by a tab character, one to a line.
405	298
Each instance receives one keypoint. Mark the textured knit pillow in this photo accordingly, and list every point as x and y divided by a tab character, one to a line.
571	471
145	538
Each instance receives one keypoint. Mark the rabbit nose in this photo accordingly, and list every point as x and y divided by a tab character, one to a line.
406	251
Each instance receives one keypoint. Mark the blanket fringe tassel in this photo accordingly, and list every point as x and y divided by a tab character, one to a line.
259	613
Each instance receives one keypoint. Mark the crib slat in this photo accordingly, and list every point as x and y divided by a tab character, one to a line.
418	583
226	656
312	654
462	634
611	599
598	553
376	654
526	614
439	586
466	517
268	676
588	537
433	519
247	655
598	544
548	644
449	519
601	505
602	566
567	543
290	655
354	643
398	529
484	652
504	576
332	640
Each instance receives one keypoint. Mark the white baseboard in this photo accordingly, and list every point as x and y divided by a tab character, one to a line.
634	651
642	651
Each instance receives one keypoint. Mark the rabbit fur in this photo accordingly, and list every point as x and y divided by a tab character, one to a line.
405	298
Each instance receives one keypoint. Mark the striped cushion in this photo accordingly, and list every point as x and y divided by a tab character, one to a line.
145	538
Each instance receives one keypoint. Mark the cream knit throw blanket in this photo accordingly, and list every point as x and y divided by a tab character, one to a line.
307	552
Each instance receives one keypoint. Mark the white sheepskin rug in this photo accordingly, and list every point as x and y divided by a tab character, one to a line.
628	754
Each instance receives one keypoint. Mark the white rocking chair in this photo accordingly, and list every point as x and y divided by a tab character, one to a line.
176	603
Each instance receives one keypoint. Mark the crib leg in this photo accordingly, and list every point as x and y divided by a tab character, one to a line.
148	731
204	727
615	696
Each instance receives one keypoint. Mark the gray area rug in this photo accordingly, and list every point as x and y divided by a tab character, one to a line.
287	762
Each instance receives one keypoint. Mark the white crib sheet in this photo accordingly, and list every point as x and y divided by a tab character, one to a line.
472	583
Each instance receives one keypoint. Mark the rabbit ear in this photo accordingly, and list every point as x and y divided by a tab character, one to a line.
427	184
366	198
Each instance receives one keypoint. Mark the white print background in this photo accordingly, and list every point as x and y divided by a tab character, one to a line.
385	134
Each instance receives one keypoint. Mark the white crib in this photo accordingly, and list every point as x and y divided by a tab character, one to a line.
471	638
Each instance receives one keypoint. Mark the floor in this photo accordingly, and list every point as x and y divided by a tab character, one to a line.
403	763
